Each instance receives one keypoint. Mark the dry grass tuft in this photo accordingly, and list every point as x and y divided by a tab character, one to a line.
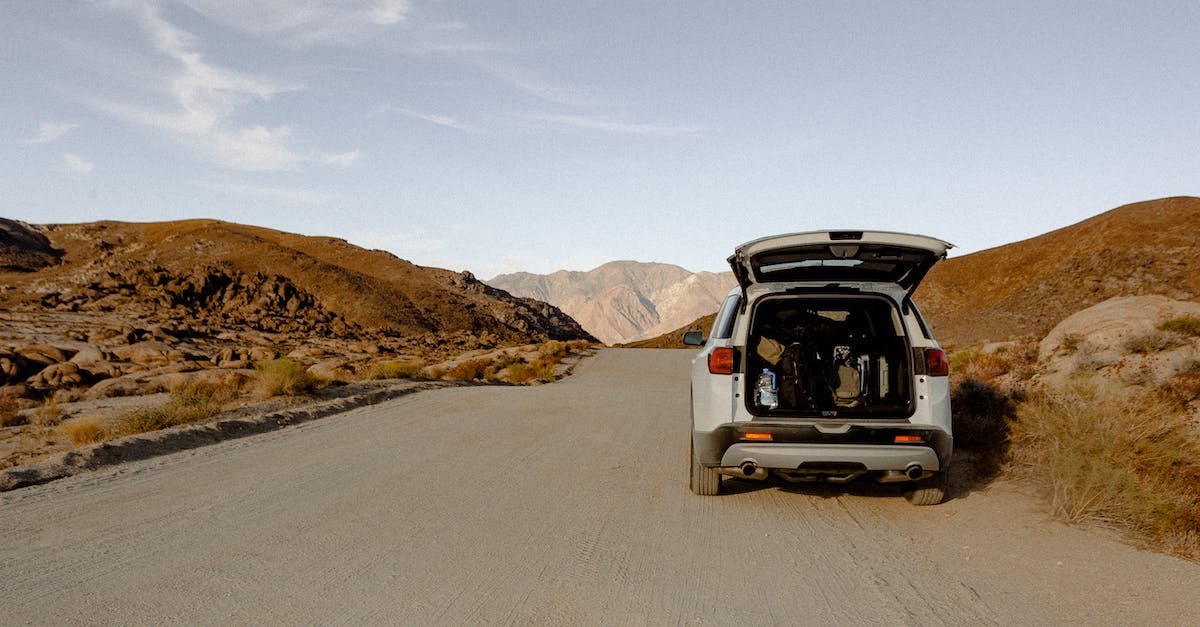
284	377
180	409
1152	341
413	369
1115	458
83	431
9	414
469	370
1184	325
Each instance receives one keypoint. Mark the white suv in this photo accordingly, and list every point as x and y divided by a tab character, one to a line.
819	367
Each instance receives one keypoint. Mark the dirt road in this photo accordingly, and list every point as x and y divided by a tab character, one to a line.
561	504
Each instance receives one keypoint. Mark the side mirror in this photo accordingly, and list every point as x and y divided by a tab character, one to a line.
693	338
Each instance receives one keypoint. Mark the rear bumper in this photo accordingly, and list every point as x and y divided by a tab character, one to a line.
793	456
791	446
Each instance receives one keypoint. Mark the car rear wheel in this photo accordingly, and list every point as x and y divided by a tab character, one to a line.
705	481
928	491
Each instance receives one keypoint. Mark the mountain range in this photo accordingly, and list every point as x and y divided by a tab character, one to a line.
624	301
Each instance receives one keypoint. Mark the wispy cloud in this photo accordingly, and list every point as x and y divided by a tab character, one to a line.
344	160
308	22
50	131
533	85
432	118
272	193
78	165
593	123
206	99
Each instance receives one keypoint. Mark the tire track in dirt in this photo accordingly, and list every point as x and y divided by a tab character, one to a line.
558	504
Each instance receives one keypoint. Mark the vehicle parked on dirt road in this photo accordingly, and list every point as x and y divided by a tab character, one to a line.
820	368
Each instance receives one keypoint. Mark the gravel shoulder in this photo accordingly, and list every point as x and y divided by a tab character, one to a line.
556	504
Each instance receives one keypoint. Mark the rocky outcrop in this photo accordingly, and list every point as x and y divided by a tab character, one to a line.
207	295
25	249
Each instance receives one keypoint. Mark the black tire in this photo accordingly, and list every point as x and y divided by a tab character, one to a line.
928	491
704	480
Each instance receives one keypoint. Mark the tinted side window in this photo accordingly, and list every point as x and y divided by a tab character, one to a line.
911	307
723	326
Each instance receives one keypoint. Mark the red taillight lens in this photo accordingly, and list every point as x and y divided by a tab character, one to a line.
720	361
936	362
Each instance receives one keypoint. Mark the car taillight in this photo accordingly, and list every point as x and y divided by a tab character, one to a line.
936	362
720	360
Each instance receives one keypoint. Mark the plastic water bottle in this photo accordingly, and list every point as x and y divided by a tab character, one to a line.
765	390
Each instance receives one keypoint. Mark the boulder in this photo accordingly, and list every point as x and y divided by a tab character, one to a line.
13	367
150	353
61	375
45	355
129	385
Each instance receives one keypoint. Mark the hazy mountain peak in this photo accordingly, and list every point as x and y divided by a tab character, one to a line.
622	301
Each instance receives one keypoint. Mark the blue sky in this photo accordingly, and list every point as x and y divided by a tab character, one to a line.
503	136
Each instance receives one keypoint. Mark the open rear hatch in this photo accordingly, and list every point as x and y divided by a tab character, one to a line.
838	257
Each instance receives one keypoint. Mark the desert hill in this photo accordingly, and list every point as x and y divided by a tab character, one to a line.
622	301
213	271
1027	287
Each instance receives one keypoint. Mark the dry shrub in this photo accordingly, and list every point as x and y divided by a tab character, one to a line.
9	413
83	431
520	373
398	370
981	414
1184	386
1153	341
284	377
468	370
1184	325
1071	342
224	390
49	413
1113	457
180	409
1088	359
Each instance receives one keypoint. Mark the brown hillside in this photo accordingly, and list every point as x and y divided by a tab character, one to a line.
1027	287
371	289
674	339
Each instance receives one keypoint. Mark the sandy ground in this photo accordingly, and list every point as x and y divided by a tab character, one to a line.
561	504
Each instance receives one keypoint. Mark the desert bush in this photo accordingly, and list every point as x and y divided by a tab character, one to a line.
83	431
468	370
223	391
1184	386
1153	341
49	413
398	370
179	409
554	349
981	416
520	372
284	377
1114	458
1071	342
9	414
1088	359
1184	325
960	359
